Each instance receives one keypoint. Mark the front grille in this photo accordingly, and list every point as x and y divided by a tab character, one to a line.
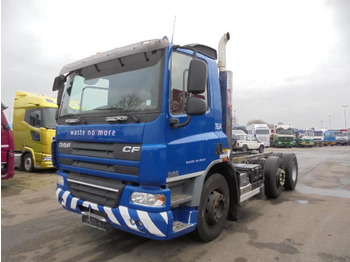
106	157
99	190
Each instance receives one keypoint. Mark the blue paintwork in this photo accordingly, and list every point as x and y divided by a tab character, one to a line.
184	150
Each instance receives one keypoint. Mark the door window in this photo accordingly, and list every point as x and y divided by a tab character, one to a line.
179	75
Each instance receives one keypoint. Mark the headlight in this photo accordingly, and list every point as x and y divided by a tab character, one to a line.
279	142
47	158
145	199
60	180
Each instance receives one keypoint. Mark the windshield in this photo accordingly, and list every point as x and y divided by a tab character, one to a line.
283	131
131	84
262	131
342	134
330	134
49	117
318	133
309	132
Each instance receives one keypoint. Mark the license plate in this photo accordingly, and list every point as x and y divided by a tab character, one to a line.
95	222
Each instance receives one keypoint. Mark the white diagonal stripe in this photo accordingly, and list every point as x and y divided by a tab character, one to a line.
148	223
64	197
58	191
125	214
73	204
165	216
111	216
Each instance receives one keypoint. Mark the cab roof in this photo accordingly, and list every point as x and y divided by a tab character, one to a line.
30	100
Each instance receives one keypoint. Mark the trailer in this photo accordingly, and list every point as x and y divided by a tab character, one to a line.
148	148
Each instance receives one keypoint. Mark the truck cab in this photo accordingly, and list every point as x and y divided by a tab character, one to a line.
143	142
34	127
7	148
283	136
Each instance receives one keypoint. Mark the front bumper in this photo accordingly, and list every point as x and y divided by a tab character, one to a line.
154	225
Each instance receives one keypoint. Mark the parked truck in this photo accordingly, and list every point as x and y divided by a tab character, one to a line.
305	138
7	148
283	136
342	137
261	132
34	127
319	135
329	138
148	150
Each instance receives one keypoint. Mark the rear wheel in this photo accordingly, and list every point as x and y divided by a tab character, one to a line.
28	162
213	208
245	148
274	177
290	166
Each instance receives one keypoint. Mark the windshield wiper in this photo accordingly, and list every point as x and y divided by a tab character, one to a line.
77	119
117	118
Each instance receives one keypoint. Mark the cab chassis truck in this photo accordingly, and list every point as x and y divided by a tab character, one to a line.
147	149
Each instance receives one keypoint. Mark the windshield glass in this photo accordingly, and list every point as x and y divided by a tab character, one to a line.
283	131
49	117
262	131
330	134
131	84
318	133
309	132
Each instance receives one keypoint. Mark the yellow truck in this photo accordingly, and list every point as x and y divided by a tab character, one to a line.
34	127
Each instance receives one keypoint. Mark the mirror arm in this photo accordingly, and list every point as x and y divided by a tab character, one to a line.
175	122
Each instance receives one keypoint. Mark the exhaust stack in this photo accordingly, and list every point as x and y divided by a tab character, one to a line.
222	52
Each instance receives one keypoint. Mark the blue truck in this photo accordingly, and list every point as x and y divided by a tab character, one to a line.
143	143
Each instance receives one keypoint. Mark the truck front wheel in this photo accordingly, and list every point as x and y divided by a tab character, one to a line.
213	208
290	165
274	176
28	162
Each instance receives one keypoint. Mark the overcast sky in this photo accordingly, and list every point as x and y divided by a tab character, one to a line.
290	59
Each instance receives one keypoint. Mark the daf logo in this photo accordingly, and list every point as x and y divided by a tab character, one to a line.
65	145
131	149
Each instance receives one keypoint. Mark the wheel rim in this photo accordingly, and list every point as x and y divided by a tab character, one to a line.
28	163
215	207
281	177
294	172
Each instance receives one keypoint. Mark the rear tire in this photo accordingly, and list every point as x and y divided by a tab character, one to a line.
245	148
274	177
290	165
28	163
213	208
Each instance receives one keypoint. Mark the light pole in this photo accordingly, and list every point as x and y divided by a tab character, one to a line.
321	124
329	118
345	107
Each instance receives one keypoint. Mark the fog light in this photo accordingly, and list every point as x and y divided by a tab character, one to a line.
60	180
47	158
132	221
145	199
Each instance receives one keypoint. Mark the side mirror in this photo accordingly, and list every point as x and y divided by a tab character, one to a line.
59	82
197	76
195	106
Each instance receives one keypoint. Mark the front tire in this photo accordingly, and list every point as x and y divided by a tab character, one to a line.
28	163
261	149
213	208
274	176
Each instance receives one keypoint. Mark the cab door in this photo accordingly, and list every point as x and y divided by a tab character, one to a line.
192	147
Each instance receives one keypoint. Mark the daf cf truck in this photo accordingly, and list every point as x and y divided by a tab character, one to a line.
148	149
34	127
